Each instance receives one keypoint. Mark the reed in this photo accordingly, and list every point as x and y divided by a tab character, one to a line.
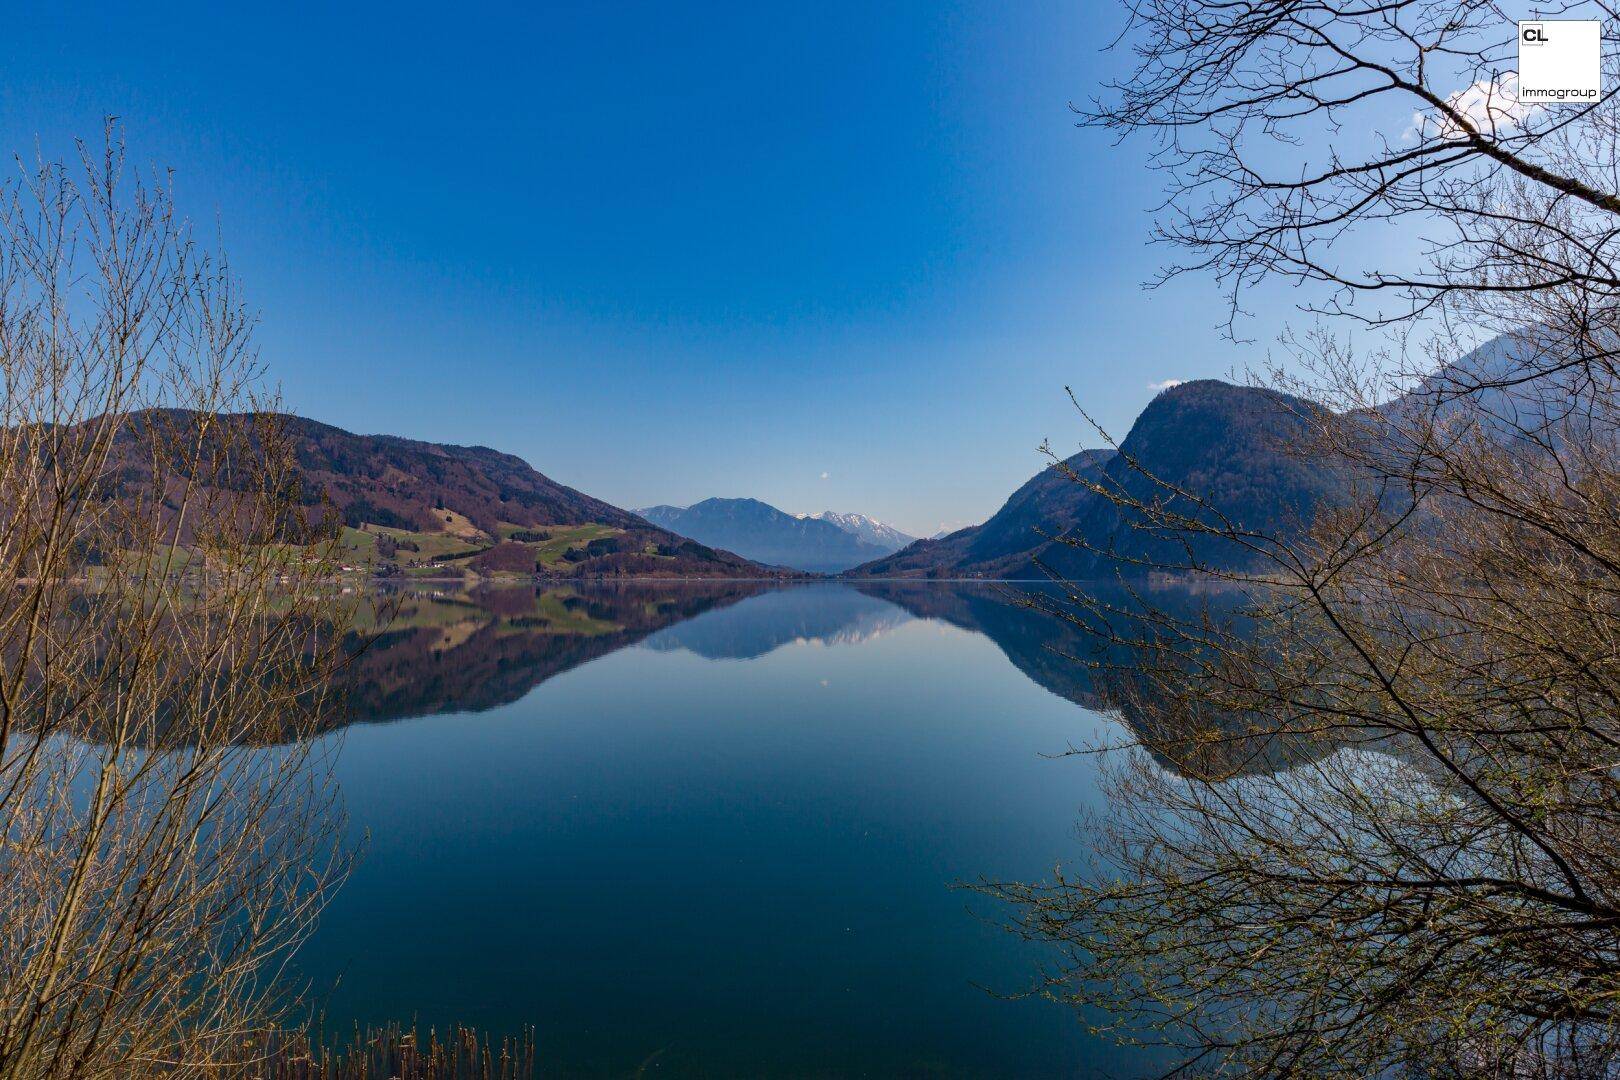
395	1052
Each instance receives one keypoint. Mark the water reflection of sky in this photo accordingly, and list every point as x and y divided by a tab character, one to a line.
729	852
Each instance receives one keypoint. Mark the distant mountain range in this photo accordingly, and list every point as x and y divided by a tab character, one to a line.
427	509
820	544
1237	448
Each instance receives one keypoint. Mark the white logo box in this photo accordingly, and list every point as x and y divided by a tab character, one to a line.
1561	61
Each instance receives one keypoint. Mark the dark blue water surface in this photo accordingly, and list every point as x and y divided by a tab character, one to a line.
713	831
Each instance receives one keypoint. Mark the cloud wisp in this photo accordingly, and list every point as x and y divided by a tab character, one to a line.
1492	106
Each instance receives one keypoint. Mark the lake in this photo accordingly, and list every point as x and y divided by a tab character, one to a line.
719	830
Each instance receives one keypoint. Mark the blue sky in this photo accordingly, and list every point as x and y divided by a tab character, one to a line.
823	255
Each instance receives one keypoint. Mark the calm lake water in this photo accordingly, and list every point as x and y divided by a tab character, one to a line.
713	831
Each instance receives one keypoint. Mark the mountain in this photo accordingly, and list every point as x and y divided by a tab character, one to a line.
1516	386
1228	443
1234	446
426	507
868	530
1049	504
761	532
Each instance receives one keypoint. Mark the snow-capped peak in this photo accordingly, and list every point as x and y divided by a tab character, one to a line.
869	529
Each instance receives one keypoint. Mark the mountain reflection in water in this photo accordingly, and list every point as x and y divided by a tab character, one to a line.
443	652
447	652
